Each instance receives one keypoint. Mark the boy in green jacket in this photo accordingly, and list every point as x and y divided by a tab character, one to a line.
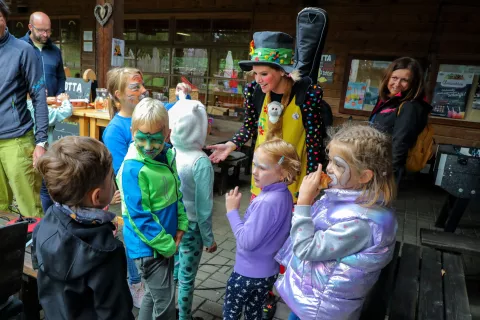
154	214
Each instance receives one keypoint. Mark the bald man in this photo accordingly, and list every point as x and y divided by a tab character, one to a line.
40	30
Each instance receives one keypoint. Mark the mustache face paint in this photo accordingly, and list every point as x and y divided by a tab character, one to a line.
339	177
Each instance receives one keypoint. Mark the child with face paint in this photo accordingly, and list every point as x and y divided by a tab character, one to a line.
188	120
154	214
262	231
339	245
126	89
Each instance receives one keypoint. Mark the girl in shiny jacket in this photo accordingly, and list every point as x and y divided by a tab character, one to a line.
338	246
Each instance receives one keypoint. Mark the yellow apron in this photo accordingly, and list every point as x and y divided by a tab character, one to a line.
293	133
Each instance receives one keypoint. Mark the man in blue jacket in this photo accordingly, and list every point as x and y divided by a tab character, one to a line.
19	146
49	54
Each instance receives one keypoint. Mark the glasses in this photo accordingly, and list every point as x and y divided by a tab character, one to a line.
45	31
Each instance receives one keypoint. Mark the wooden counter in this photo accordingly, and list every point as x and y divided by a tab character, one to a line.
90	121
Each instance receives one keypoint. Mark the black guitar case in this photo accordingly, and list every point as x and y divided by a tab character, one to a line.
312	27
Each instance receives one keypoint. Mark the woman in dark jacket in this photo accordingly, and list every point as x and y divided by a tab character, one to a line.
402	85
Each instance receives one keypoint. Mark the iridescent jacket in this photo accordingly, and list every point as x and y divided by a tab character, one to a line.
334	255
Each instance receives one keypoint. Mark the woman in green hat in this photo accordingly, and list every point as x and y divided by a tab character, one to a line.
278	104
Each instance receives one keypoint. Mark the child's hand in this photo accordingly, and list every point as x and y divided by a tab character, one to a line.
51	100
116	198
212	248
309	189
232	200
62	97
178	238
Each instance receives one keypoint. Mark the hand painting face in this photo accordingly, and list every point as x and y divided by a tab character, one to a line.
268	78
135	91
149	141
265	171
339	170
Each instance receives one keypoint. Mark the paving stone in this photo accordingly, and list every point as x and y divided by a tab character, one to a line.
227	254
201	275
283	311
410	240
212	308
204	315
228	245
219	260
225	270
218	276
208	269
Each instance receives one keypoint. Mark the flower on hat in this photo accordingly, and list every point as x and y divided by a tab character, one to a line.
252	47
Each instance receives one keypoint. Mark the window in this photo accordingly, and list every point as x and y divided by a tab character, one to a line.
203	53
65	35
364	77
456	93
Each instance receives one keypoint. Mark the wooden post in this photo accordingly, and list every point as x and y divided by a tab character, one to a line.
112	29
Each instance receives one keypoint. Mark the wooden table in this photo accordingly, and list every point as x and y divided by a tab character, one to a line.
29	292
90	121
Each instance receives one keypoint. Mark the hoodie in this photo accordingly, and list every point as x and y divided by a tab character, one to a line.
52	64
403	126
82	268
188	122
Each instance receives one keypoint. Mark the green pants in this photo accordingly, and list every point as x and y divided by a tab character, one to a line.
18	177
190	253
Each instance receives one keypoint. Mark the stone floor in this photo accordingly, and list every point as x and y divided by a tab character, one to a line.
417	205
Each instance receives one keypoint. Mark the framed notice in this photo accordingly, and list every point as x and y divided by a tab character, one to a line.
450	94
327	68
118	52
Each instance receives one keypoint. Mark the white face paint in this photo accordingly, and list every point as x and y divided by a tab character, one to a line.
265	171
338	169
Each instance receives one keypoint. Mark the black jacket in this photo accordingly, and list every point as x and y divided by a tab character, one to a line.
82	270
404	127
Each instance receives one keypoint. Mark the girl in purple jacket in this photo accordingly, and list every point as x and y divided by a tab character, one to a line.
338	246
262	231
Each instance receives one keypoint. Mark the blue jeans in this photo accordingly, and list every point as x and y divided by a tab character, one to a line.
47	202
133	276
293	316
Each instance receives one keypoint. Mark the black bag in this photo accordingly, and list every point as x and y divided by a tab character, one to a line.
312	27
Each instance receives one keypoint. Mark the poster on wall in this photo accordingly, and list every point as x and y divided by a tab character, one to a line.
476	98
355	96
118	52
451	93
327	68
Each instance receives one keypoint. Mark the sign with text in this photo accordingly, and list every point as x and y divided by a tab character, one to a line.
77	88
327	68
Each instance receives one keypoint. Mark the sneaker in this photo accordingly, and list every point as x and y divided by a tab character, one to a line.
269	307
137	292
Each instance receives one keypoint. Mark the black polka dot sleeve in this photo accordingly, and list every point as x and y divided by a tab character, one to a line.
312	121
250	123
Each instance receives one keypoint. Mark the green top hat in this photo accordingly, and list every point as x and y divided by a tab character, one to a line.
270	48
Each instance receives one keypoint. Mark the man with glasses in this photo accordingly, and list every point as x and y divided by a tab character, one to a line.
40	30
19	146
50	57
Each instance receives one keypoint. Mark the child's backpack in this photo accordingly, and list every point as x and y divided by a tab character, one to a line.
422	151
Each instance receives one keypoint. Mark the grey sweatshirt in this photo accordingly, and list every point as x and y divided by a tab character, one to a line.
21	73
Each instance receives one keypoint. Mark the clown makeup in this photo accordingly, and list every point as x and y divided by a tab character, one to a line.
339	170
265	171
135	91
149	142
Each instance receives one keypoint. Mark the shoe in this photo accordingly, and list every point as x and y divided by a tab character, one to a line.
137	292
269	307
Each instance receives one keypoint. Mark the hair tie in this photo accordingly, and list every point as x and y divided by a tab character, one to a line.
384	173
280	161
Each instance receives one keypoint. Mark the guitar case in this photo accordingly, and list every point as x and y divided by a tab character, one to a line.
312	27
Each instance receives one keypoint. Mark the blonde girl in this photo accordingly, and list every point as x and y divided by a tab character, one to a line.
338	246
262	231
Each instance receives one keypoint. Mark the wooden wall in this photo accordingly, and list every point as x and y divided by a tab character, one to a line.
428	29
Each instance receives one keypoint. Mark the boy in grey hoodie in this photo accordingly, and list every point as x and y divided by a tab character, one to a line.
188	122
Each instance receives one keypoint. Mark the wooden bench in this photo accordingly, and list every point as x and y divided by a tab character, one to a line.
419	283
450	242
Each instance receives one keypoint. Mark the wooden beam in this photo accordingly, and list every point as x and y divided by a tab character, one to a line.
112	29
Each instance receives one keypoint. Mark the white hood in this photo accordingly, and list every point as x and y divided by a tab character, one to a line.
188	122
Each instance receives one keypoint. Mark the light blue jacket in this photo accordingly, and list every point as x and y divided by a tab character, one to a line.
55	115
